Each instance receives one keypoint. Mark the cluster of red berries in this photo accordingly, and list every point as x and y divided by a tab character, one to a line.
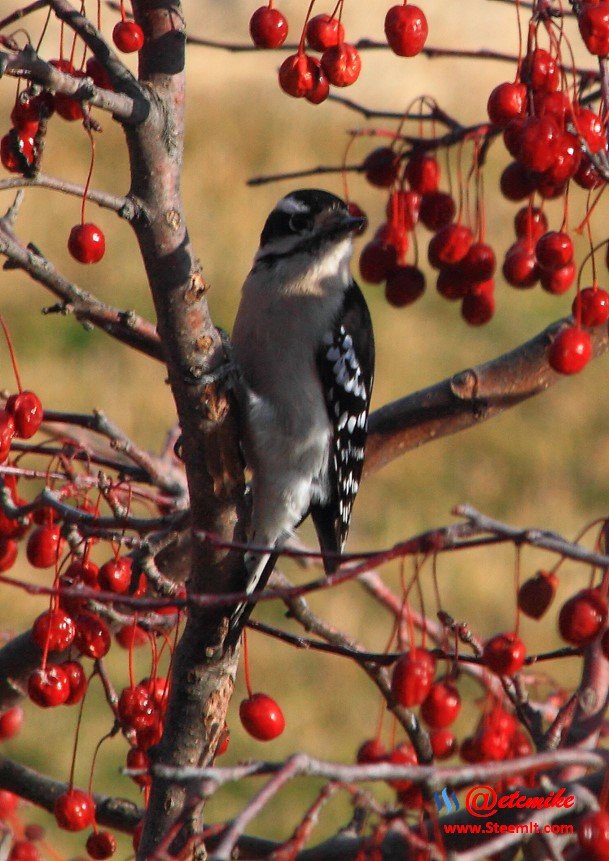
304	76
21	417
465	266
21	146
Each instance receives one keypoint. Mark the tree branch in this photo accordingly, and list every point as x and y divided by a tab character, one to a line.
126	326
467	398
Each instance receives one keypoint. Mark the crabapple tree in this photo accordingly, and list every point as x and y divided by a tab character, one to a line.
138	557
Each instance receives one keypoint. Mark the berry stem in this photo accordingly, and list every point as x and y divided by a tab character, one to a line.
246	665
11	350
301	44
89	175
76	736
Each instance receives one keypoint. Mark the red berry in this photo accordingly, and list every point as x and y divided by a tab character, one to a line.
84	571
593	22
48	686
86	243
381	167
268	27
7	432
101	844
74	810
554	249
537	593
223	741
504	654
451	284
321	85
370	751
570	351
567	156
443	743
24	850
591	128
324	31
53	629
297	75
67	107
8	553
517	182
406	30
98	73
139	759
128	37
530	223
541	71
342	64
261	717
376	261
520	265
593	835
11	722
25	115
135	707
403	754
27	414
538	142
44	546
115	575
405	284
587	175
412	677
506	101
8	803
437	210
423	173
17	151
92	635
592	306
478	308
131	637
77	681
441	705
449	245
558	104
557	281
582	617
479	263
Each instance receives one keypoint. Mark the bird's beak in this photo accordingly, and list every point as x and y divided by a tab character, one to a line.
343	223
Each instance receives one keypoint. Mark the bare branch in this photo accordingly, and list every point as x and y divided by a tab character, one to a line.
468	398
125	326
126	207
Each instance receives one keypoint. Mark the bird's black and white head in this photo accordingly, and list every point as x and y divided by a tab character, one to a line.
309	229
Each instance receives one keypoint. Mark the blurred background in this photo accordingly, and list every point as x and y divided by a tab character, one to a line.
544	464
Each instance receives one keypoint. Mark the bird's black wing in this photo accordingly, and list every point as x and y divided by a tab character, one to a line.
346	367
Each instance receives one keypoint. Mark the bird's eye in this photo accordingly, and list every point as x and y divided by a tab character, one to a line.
300	222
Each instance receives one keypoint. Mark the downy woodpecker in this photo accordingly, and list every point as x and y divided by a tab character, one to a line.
304	346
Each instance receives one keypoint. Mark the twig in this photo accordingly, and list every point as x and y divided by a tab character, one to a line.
431	776
126	207
125	326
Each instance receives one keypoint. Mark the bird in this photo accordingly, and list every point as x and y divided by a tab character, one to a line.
303	345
